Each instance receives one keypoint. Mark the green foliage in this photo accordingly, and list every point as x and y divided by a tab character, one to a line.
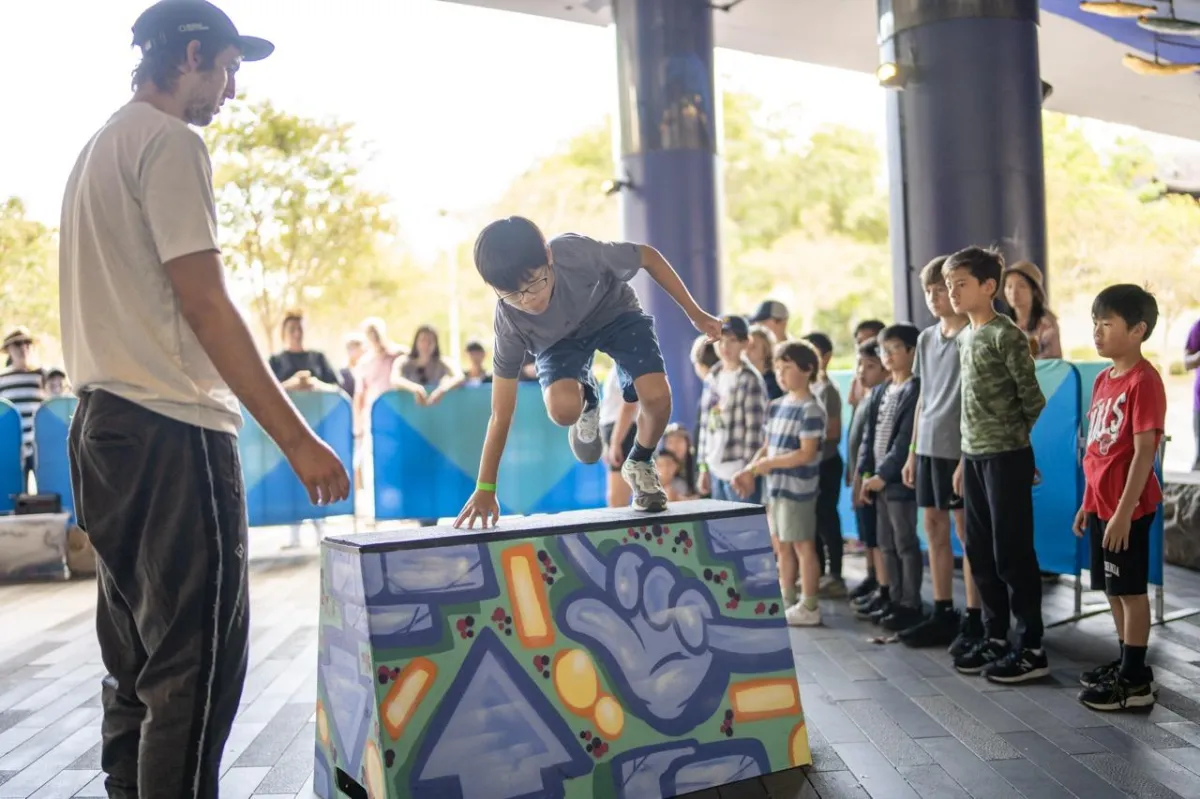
28	272
297	226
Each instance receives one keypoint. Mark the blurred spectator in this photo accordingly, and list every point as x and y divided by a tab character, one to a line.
21	384
424	368
864	331
761	352
354	353
618	431
1191	361
477	373
678	441
56	384
670	475
296	368
1025	295
373	375
704	356
773	315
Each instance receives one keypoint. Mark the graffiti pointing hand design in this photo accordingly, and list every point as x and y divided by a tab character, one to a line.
661	636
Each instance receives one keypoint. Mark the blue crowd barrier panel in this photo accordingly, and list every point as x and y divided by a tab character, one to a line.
52	469
274	495
12	472
426	458
1057	496
843	380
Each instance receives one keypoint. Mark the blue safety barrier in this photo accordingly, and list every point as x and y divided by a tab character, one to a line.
274	495
12	473
53	470
1055	447
426	458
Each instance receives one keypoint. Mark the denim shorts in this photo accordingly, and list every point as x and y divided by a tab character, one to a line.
629	340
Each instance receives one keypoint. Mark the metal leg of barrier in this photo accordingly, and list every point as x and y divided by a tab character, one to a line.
1081	610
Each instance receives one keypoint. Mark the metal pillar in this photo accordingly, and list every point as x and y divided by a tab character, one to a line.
668	151
964	135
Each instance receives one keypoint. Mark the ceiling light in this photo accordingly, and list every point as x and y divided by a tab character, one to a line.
891	75
1117	9
1146	66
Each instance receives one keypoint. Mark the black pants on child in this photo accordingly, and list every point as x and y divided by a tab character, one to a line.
829	521
998	497
164	506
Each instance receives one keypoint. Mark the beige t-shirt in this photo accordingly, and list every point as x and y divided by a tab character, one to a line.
140	195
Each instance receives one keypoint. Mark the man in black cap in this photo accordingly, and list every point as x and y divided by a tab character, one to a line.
773	315
160	358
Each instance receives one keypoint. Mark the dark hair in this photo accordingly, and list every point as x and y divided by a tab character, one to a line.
507	251
474	346
869	349
1037	308
821	341
801	353
903	332
160	65
707	356
437	350
872	325
932	271
291	315
1133	304
984	265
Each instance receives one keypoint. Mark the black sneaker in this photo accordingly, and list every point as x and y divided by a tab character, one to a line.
878	615
969	635
877	605
979	657
1117	693
1100	674
865	588
862	603
937	630
902	617
1019	665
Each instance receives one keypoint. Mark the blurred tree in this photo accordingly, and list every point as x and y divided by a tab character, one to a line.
29	275
295	219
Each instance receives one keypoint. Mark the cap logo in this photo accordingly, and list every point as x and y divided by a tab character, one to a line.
193	26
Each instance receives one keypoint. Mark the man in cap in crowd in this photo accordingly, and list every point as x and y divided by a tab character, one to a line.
773	315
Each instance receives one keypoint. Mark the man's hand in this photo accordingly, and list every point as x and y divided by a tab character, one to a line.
319	470
1080	525
1116	534
704	483
956	482
908	475
874	485
482	506
708	325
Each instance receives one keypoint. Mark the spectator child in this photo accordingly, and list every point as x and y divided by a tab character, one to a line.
891	412
733	406
789	459
869	372
1001	400
932	458
864	331
678	441
829	521
670	475
1122	493
761	352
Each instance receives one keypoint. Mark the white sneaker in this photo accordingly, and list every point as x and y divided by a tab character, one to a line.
584	436
642	477
799	616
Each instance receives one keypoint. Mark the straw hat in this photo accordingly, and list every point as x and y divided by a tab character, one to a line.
1030	272
19	335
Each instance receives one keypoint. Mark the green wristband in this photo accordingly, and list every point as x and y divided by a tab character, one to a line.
482	486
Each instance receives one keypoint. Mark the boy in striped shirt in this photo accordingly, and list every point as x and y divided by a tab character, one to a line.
790	460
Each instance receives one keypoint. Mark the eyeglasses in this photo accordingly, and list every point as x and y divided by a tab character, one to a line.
535	287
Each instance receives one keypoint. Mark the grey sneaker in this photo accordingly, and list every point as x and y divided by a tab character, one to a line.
642	477
584	436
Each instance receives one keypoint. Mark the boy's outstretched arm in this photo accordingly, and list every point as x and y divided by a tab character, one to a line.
666	276
483	505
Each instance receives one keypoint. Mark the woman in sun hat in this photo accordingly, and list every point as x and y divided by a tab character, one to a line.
1025	294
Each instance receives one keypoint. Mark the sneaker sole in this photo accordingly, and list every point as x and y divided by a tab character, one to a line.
816	623
1034	674
971	669
1153	686
588	452
1130	703
656	504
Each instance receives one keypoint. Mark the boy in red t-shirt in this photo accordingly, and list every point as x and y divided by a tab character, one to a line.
1125	426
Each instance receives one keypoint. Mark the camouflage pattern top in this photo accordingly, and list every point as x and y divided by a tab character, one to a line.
1001	398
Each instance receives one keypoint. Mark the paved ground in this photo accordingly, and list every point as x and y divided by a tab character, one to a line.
884	721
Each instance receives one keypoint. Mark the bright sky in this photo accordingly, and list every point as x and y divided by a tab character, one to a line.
456	100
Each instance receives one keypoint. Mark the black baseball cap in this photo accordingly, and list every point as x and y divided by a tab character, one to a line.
176	20
770	309
737	325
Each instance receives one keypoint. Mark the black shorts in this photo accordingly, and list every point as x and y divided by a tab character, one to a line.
1121	573
935	483
606	431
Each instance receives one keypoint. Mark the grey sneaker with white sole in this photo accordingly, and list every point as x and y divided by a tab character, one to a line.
584	436
642	477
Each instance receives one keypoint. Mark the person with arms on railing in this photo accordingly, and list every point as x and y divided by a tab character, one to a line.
561	300
425	368
161	357
295	367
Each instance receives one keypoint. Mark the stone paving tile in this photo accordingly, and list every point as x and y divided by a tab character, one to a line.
932	782
980	779
1068	771
887	736
978	738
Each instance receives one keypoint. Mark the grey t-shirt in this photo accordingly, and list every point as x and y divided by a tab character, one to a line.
937	365
590	290
830	398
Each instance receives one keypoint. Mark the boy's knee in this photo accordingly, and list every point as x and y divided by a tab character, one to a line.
564	402
654	394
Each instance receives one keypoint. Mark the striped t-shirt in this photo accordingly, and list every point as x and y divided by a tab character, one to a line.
789	421
24	390
885	422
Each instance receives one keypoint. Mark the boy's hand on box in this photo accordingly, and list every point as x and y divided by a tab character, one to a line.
1080	525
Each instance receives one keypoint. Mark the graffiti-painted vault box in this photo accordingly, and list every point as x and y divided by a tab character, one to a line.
595	653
